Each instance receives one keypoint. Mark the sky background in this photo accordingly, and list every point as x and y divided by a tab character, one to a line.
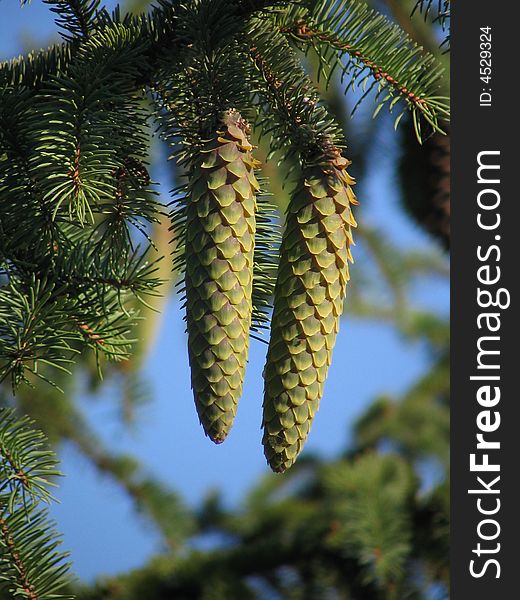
98	522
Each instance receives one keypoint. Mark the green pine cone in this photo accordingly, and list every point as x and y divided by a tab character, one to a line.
308	303
220	235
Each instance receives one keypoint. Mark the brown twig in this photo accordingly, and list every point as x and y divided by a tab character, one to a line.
10	544
305	33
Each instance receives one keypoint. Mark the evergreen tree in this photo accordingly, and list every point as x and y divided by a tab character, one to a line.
81	264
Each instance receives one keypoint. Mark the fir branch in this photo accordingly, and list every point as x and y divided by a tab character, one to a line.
440	15
15	558
26	467
30	564
33	328
426	8
76	154
75	17
288	99
301	31
35	67
90	126
369	499
159	30
44	323
375	49
28	215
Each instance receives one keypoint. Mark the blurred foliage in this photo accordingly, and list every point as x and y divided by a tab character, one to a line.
372	524
364	526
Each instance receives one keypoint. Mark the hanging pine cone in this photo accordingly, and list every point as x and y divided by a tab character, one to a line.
424	175
220	232
308	304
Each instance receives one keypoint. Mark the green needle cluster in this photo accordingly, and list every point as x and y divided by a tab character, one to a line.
220	239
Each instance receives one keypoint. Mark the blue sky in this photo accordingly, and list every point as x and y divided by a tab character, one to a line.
97	520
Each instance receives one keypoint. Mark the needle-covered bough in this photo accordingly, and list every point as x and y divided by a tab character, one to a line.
75	191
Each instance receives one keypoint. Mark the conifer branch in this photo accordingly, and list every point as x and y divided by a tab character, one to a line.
30	564
440	15
288	99
75	17
301	31
15	558
159	32
366	46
